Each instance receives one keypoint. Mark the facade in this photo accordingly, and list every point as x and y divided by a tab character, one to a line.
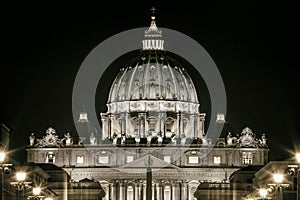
152	121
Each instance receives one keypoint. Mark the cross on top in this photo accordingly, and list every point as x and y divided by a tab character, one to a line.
153	9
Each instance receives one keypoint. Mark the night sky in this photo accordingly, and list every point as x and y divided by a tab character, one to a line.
254	46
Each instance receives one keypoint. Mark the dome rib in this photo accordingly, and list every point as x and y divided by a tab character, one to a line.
152	78
174	83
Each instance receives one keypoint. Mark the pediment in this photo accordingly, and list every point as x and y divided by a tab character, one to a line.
155	163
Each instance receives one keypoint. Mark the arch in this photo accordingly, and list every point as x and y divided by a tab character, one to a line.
192	187
167	190
106	187
130	192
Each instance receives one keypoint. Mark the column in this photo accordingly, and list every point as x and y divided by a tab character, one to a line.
109	128
146	124
153	192
142	125
192	128
163	124
123	124
175	190
159	191
159	123
178	124
104	134
122	190
201	119
196	127
113	193
139	125
106	188
127	129
181	124
184	191
137	190
112	120
144	191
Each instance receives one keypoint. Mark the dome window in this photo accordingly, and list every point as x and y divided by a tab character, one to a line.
152	68
141	68
165	67
181	84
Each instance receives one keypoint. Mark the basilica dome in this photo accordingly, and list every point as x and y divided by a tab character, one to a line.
153	76
152	96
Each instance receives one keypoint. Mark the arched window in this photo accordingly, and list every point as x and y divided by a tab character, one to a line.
167	192
192	187
130	193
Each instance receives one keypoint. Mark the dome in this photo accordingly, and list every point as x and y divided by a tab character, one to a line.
152	96
153	76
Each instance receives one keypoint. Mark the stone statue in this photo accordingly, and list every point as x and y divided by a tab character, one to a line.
123	138
204	141
93	139
229	139
137	139
50	131
173	139
159	139
80	141
264	140
68	139
183	139
149	138
31	139
115	139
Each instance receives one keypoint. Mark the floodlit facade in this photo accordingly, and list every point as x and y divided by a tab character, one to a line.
152	120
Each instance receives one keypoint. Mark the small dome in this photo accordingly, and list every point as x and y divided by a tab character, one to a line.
84	127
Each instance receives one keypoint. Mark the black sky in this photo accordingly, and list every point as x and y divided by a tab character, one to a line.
255	47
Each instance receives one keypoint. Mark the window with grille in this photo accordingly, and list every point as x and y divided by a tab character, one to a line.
217	160
103	159
193	159
80	159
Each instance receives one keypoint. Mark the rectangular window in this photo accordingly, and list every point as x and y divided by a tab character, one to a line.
193	159
247	158
167	159
103	159
129	159
79	159
217	160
